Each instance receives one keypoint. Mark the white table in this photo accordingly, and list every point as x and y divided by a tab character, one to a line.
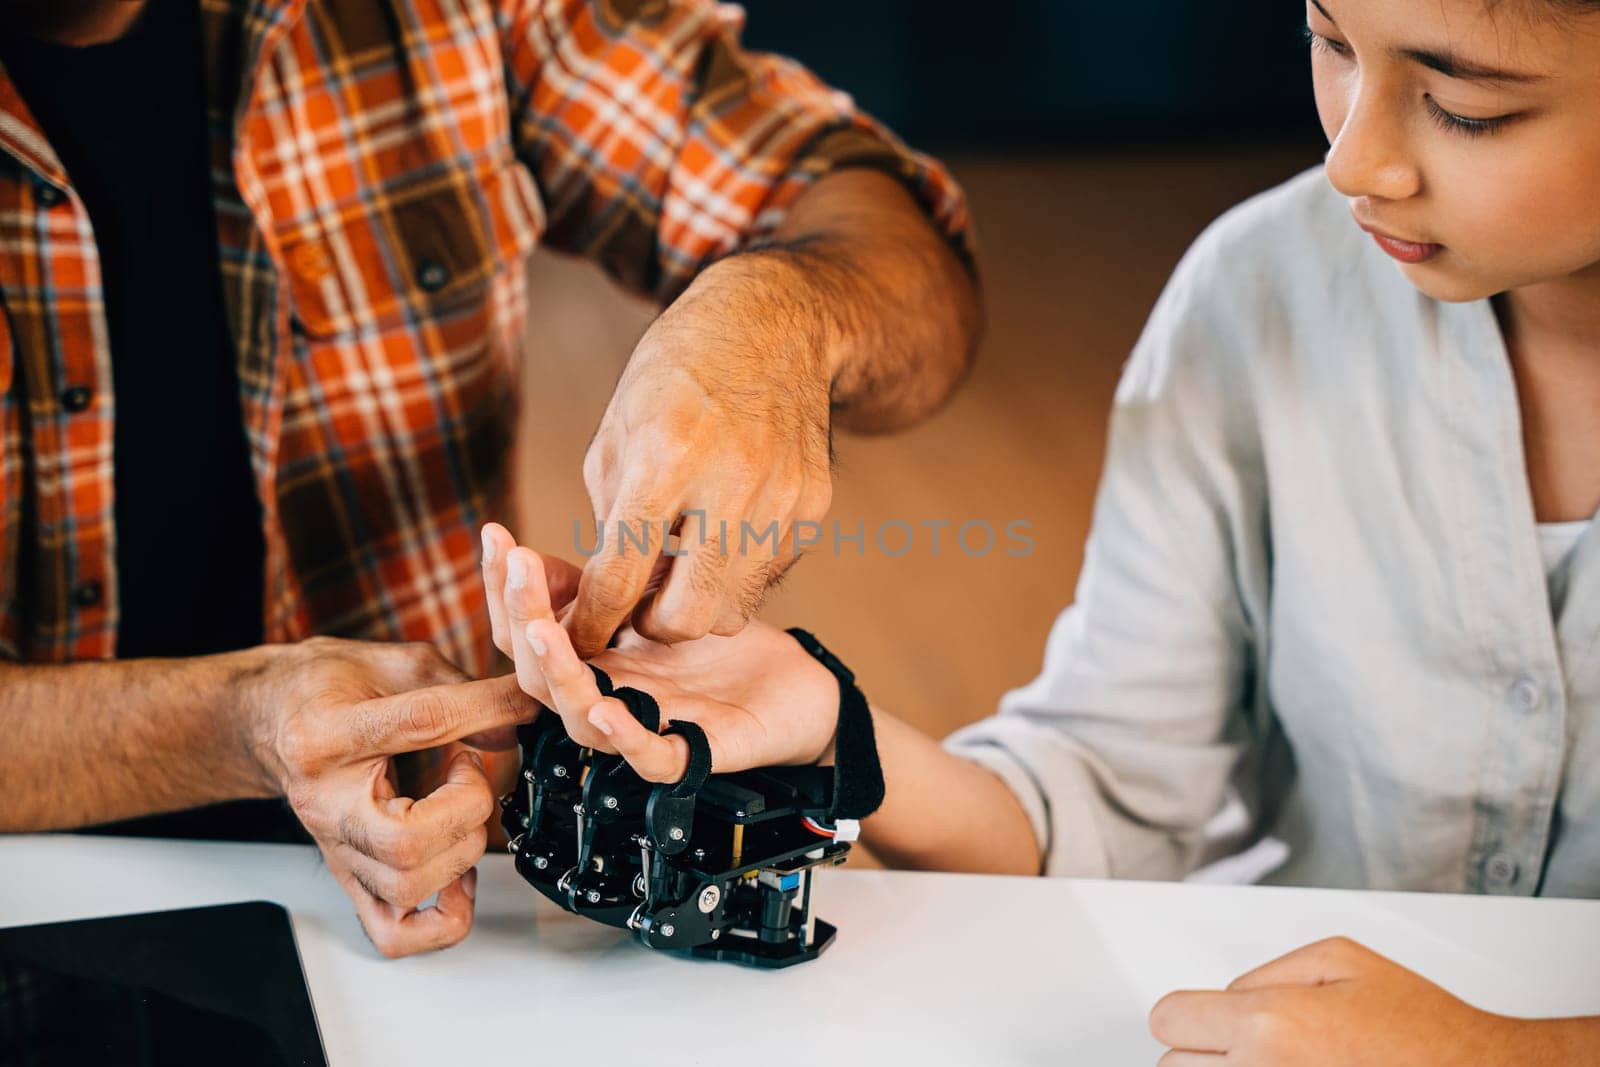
927	969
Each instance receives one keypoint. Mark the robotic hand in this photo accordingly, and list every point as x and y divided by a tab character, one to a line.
716	865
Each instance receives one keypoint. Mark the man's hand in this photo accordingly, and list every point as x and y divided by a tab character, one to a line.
719	430
1336	1003
327	719
761	699
859	311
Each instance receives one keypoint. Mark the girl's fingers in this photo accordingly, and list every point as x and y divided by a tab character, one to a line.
570	682
652	757
527	599
497	543
522	587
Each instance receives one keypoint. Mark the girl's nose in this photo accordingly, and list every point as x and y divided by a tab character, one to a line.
1371	156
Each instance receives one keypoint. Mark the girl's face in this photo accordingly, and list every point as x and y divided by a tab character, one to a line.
1466	135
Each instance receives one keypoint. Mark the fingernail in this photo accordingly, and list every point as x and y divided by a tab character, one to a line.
517	569
476	758
534	642
597	719
488	546
469	884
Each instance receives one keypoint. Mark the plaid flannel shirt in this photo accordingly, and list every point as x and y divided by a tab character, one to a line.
382	170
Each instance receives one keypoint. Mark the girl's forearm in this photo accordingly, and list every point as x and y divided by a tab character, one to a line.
941	812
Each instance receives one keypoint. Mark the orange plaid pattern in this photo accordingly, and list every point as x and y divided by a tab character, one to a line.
382	170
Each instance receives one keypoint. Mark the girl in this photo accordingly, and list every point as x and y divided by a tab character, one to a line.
1342	577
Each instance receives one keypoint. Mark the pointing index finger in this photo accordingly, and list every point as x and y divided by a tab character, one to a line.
436	715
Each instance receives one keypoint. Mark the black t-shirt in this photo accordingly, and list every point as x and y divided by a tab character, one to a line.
128	121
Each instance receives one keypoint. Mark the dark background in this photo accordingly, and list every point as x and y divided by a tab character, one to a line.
1037	75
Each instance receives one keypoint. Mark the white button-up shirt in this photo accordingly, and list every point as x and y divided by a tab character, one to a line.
1314	587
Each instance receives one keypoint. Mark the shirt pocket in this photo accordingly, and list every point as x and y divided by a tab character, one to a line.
418	249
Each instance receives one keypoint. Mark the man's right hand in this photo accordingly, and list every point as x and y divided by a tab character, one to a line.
325	720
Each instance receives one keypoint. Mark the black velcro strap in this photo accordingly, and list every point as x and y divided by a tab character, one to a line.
699	757
857	772
641	705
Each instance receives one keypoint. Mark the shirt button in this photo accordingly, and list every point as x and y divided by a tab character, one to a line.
1526	694
1500	871
310	261
76	399
88	594
432	275
48	195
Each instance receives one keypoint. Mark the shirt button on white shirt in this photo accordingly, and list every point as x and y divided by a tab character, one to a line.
1526	694
1500	871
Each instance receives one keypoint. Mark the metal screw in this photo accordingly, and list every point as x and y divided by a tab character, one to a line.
676	833
715	934
710	896
559	770
668	930
592	896
700	855
540	863
638	885
611	802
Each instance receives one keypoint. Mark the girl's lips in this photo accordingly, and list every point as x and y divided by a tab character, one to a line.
1404	251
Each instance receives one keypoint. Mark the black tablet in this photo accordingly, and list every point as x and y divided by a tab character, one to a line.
219	985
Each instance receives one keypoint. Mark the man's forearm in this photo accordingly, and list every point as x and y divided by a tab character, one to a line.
941	812
899	308
96	742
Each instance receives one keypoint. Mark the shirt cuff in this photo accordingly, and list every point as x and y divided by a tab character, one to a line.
1052	784
862	142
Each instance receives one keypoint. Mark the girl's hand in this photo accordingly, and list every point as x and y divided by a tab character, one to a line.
1334	1003
760	698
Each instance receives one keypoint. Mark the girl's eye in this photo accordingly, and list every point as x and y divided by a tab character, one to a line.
1325	45
1454	123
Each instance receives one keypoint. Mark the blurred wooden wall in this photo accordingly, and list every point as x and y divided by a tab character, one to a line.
1075	251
